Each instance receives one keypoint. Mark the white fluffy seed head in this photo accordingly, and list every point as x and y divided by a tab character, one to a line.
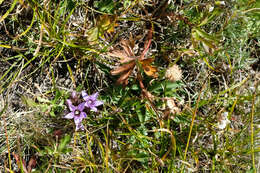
173	73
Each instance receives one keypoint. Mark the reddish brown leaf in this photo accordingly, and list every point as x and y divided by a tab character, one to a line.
117	53
126	45
120	54
147	94
124	78
31	164
148	43
127	55
123	68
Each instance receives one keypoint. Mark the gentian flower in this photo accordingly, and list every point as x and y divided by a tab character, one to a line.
74	98
74	94
91	100
77	114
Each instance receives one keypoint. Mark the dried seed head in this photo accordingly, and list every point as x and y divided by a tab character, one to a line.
173	73
172	106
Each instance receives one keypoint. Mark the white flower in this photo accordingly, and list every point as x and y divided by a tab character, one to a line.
211	9
222	2
224	121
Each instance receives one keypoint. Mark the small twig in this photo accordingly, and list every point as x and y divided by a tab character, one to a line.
150	36
251	9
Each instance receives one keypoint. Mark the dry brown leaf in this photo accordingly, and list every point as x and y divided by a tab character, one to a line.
127	56
147	94
126	45
123	68
31	164
126	60
120	54
124	78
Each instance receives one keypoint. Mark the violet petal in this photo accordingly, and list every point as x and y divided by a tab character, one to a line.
81	106
95	95
79	126
71	106
98	103
88	104
77	119
69	115
83	115
84	94
74	94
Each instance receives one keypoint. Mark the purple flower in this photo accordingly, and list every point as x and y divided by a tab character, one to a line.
91	101
74	94
76	113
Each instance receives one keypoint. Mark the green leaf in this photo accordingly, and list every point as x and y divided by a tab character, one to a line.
43	107
64	141
71	5
29	102
180	120
135	87
52	114
202	103
167	87
140	111
252	170
205	35
107	6
212	16
93	34
142	157
48	150
58	94
42	100
127	3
